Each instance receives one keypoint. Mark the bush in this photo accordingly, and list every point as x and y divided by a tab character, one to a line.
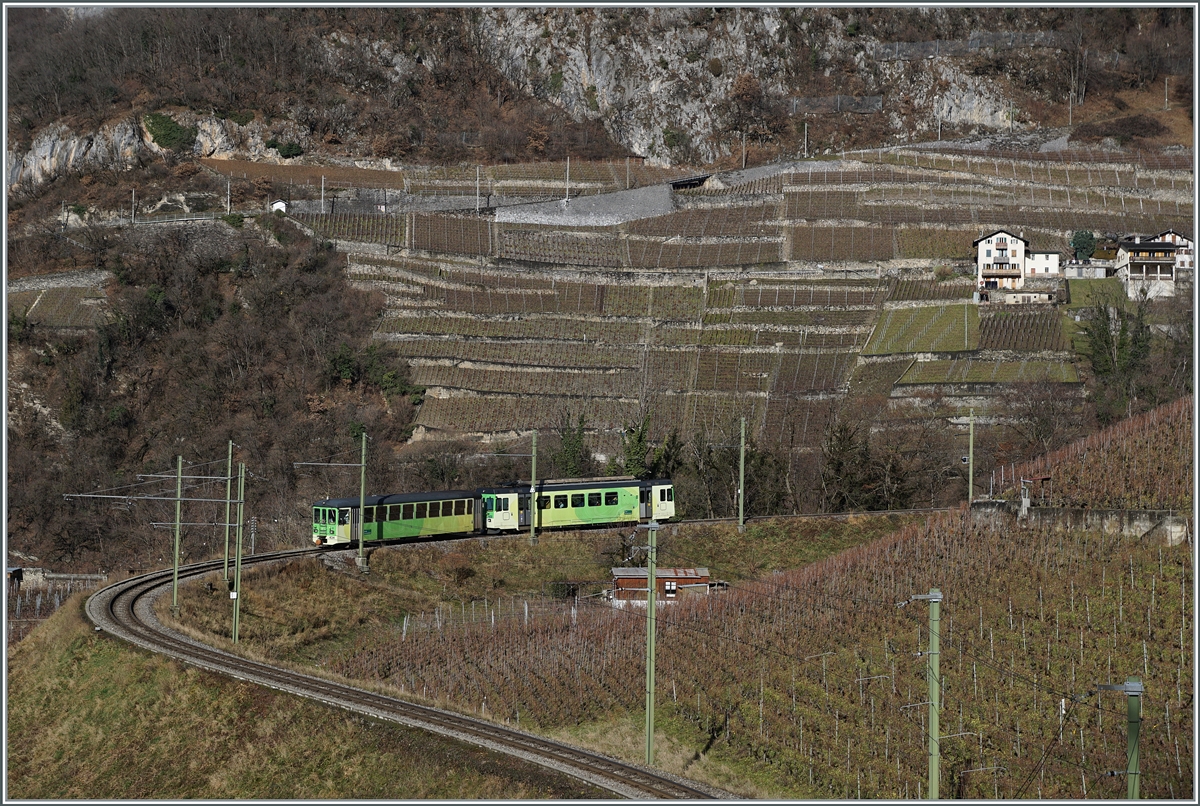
714	67
234	220
241	118
290	149
166	133
673	138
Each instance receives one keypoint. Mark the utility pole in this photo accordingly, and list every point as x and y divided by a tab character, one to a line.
933	674
132	207
362	502
533	504
235	594
568	196
806	139
228	194
228	485
477	188
652	589
1134	689
742	480
175	564
322	195
971	460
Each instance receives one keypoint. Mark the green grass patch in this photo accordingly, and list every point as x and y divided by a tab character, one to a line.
1086	293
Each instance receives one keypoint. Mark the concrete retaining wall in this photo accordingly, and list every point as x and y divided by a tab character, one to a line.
1169	527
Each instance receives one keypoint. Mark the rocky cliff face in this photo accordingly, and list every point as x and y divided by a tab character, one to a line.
659	81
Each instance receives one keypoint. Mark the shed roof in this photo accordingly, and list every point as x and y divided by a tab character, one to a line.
674	573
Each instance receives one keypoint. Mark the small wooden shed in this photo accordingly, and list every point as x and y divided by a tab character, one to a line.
630	585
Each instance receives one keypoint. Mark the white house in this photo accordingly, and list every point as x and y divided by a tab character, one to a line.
1153	263
1004	260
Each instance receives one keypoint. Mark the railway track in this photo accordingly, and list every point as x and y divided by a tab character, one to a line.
125	610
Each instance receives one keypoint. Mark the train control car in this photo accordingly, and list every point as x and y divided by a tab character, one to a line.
577	503
402	515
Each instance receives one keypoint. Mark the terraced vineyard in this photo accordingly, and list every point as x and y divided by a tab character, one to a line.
947	328
732	305
969	370
1022	330
61	307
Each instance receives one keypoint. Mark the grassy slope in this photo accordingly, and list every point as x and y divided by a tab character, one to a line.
89	717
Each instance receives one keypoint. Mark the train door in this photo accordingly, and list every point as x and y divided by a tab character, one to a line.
523	511
645	503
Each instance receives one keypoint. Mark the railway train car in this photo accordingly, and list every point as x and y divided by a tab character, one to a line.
578	503
561	504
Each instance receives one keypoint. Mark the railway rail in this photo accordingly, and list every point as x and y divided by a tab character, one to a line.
125	610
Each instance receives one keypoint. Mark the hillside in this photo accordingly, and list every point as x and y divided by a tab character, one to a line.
92	718
673	85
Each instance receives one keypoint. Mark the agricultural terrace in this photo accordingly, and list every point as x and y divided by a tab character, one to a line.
970	370
766	675
60	307
1026	331
1145	462
947	328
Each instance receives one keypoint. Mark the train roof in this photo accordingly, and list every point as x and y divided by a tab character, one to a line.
397	498
546	485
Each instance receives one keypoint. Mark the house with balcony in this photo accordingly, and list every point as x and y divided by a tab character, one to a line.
1153	264
1003	261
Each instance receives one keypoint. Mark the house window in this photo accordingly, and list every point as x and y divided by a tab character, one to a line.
671	587
987	253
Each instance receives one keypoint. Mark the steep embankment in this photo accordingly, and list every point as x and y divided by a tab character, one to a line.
89	717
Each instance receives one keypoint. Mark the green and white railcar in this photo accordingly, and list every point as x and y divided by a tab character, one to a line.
390	517
577	503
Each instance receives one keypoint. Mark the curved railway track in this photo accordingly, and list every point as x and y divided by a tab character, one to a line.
125	610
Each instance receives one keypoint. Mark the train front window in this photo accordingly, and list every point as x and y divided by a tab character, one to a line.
488	504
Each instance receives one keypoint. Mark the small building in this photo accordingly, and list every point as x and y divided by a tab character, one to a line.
279	206
630	586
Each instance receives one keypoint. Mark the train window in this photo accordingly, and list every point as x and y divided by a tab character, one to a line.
522	503
644	496
577	499
470	506
422	510
408	512
460	507
368	514
393	512
435	509
610	499
670	493
560	502
343	517
488	504
543	502
318	516
593	499
662	494
504	504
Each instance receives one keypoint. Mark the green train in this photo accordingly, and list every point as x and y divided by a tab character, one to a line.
561	504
